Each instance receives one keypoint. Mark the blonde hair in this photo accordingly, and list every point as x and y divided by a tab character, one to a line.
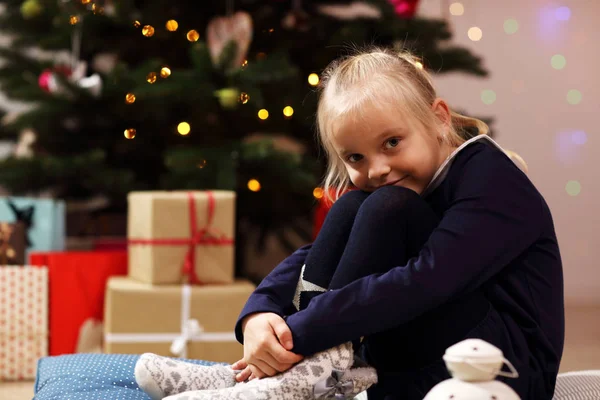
379	76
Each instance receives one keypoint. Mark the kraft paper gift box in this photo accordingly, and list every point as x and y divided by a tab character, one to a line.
193	321
44	220
178	236
77	286
23	320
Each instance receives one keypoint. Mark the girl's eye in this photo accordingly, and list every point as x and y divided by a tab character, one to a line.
354	158
392	143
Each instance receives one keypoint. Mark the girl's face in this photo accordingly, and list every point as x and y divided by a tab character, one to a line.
380	148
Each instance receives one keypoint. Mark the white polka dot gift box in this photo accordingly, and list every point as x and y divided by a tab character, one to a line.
23	320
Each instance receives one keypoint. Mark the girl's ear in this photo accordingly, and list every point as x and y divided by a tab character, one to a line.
442	112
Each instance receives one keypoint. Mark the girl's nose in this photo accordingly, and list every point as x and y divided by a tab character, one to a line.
379	171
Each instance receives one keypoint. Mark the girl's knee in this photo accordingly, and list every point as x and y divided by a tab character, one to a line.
349	203
394	196
390	201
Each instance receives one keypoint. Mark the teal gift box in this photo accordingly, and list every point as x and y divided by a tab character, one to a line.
45	219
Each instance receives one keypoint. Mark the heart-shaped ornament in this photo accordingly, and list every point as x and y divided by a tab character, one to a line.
221	30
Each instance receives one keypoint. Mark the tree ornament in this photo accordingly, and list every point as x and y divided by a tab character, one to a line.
355	10
49	82
228	97
297	18
221	30
405	8
31	9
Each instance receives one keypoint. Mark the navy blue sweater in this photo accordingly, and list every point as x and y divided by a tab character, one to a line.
496	236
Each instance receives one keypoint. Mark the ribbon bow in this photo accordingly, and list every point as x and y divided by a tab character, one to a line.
190	329
333	387
24	215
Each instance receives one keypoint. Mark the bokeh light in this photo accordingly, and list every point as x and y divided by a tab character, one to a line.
574	96
263	114
288	111
475	33
488	96
165	72
193	35
318	193
457	9
573	188
562	13
558	61
579	137
151	77
511	26
244	97
148	30
129	98
129	133
254	185
172	25
183	128
313	79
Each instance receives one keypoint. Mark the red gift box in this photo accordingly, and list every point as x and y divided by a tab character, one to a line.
77	283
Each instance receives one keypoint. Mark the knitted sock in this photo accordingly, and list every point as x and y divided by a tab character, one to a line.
297	383
162	376
362	378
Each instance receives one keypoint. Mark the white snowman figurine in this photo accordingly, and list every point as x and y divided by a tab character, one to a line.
474	364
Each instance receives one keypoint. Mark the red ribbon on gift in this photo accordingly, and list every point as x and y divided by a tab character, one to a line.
206	235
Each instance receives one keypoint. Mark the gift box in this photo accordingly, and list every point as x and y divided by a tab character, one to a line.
23	320
193	321
176	237
44	221
12	243
76	291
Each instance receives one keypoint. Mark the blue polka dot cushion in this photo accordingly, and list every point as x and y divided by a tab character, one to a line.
90	376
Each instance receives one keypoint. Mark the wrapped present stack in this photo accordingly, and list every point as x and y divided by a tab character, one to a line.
32	232
180	297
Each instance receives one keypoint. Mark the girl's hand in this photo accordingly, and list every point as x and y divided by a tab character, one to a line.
267	340
249	372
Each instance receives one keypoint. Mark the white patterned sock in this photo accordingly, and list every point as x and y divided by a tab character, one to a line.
162	376
297	383
362	378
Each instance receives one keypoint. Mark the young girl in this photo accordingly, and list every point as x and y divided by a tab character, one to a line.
445	239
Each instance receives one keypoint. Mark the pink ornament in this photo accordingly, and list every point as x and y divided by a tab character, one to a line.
405	8
44	80
47	79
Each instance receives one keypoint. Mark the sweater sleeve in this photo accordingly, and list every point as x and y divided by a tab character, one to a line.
276	291
494	216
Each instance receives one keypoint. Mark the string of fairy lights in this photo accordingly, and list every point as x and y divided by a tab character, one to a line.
184	128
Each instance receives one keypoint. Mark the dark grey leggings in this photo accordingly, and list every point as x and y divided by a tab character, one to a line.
367	233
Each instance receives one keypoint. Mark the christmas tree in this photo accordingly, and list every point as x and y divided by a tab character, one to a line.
185	94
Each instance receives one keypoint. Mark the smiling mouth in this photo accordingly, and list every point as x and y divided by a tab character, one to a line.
394	182
399	180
